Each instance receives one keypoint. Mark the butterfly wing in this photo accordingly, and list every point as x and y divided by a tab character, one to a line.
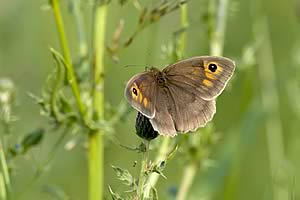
140	92
163	122
180	110
187	100
206	74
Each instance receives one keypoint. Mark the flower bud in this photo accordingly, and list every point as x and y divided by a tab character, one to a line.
144	128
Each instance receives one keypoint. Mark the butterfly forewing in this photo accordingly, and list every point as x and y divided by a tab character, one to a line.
206	74
140	92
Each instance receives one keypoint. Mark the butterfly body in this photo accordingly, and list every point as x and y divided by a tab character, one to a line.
181	97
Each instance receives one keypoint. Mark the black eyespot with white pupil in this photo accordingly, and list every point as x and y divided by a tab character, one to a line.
134	91
212	67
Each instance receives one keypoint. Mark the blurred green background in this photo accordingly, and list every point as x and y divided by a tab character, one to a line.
257	115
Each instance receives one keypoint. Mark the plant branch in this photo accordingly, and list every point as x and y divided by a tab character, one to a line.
83	47
142	177
217	40
164	148
4	175
96	143
184	24
162	155
189	173
270	104
216	49
67	56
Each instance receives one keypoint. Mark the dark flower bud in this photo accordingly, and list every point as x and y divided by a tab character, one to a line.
144	128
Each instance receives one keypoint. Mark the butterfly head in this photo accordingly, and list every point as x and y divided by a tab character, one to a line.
159	76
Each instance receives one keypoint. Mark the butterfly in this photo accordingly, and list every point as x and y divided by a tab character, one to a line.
182	97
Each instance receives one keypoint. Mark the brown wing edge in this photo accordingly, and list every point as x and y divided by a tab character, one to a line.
212	105
171	130
227	62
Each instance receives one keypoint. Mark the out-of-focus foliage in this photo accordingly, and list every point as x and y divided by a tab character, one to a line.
263	37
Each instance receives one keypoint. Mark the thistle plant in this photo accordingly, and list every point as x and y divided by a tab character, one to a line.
7	95
94	41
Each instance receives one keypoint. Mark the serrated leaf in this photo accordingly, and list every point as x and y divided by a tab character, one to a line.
114	196
139	149
125	176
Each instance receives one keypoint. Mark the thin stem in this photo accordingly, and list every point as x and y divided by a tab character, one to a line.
270	104
6	191
67	56
189	174
216	49
184	24
162	155
96	143
217	40
165	146
142	177
83	47
41	168
96	154
96	157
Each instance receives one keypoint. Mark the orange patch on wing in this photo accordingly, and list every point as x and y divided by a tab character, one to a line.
196	72
207	83
210	76
219	70
145	102
141	98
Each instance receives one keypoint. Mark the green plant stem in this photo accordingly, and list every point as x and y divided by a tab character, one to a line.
189	170
6	187
96	171
96	154
189	173
96	143
162	155
270	104
142	177
83	47
67	56
217	40
184	24
216	49
164	148
188	176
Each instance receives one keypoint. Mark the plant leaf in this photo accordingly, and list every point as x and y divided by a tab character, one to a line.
114	195
32	139
125	176
153	194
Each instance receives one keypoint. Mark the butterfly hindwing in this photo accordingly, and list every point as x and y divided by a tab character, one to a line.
180	110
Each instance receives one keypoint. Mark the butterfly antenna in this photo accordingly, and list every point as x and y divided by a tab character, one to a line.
147	68
133	66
